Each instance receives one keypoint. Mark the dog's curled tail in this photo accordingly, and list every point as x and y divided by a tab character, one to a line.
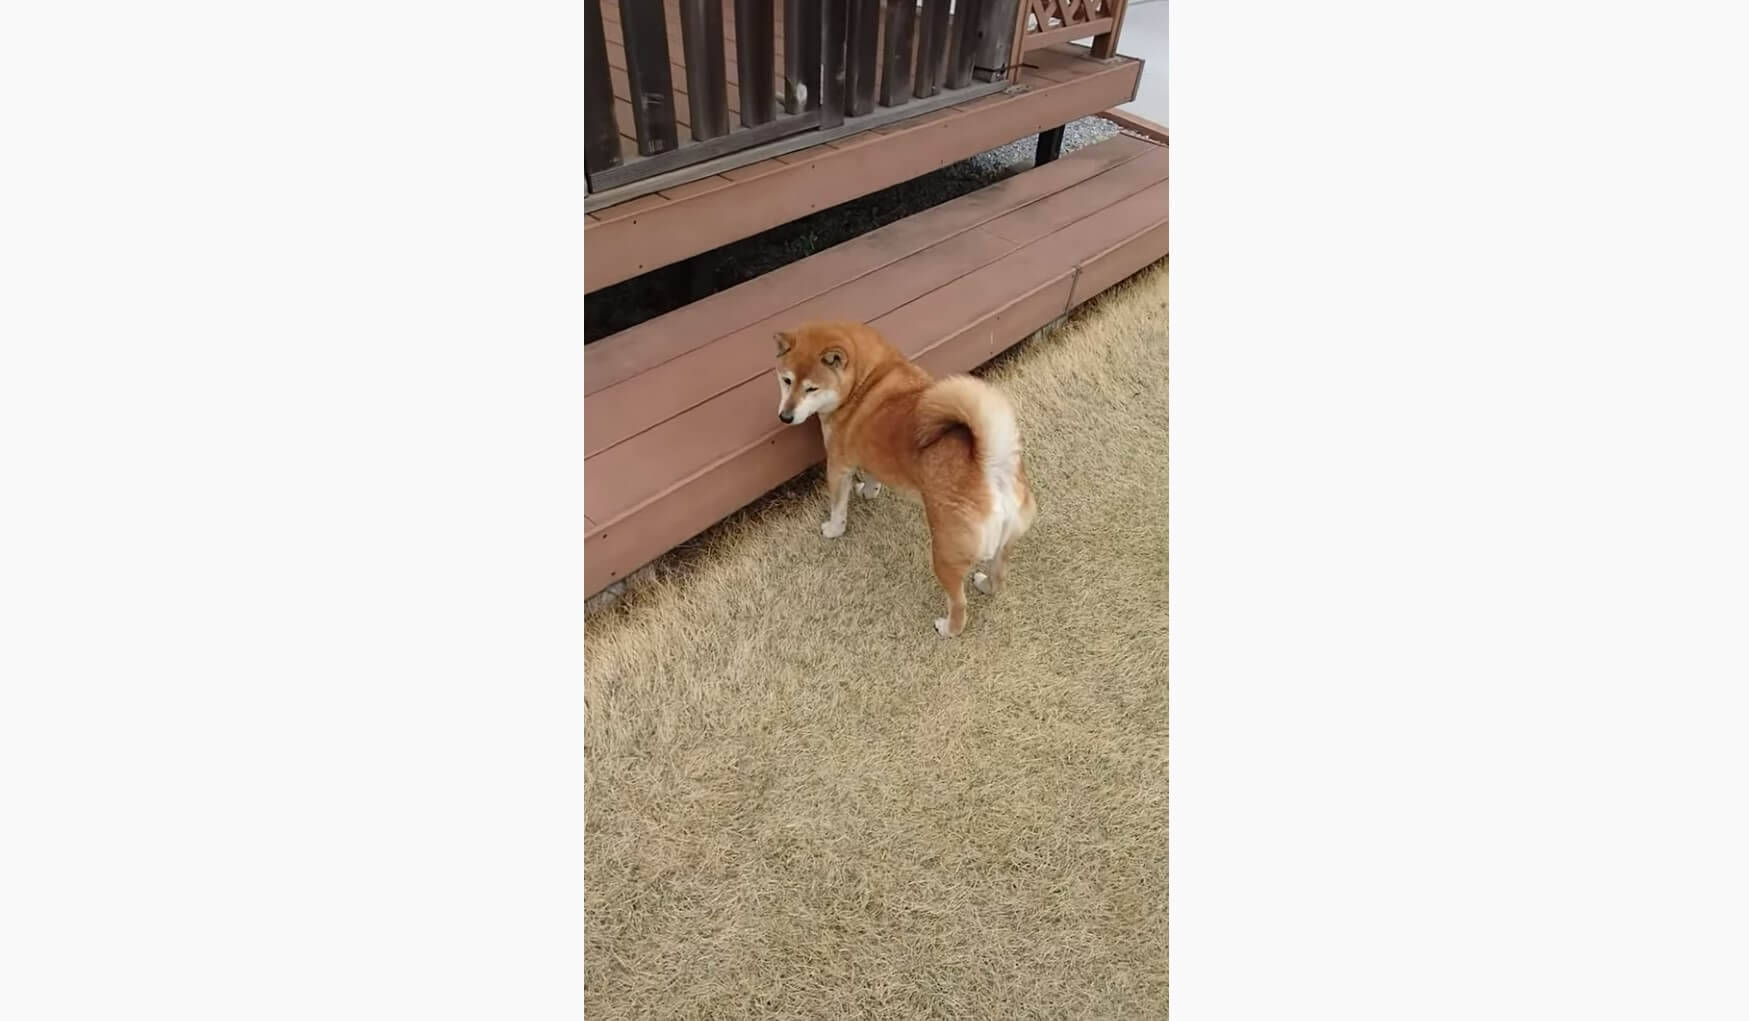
981	408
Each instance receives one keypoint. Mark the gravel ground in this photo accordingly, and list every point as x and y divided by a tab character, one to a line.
627	304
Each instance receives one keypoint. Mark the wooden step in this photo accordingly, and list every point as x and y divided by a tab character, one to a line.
679	427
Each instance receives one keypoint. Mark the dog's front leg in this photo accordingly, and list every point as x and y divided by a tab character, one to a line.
838	477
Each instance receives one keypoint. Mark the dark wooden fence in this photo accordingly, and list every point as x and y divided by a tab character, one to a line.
661	89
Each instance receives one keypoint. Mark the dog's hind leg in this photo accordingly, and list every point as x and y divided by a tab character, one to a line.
991	583
950	569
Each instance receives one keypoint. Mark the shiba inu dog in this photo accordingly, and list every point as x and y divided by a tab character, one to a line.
952	441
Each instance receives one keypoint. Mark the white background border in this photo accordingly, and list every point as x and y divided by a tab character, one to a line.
290	441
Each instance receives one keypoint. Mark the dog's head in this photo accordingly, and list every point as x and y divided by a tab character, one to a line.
813	371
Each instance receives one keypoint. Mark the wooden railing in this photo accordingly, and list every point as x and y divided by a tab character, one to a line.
1048	22
653	108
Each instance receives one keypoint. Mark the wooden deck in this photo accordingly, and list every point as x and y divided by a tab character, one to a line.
666	222
680	429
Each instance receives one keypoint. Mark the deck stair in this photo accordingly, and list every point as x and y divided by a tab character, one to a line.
679	422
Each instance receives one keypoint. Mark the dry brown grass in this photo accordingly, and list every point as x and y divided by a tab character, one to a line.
803	802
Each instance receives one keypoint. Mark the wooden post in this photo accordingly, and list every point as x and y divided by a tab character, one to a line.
932	30
896	62
1105	46
965	42
600	127
995	27
646	39
801	55
862	49
757	58
707	76
1050	146
834	25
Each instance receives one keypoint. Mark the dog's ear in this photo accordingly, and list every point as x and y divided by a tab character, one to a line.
834	358
785	341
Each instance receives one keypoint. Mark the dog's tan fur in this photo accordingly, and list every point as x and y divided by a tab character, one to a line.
953	441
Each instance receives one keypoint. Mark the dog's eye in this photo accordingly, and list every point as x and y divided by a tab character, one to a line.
810	388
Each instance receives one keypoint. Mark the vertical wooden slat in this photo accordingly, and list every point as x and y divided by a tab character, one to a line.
707	76
834	26
932	31
896	62
995	23
757	58
600	128
862	49
646	42
1017	38
801	55
965	42
1105	46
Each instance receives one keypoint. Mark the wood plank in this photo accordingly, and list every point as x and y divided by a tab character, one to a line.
833	176
1140	125
950	329
1070	60
692	505
707	77
632	208
757	61
896	53
600	126
932	39
657	395
1024	226
694	188
1112	265
646	49
649	405
619	357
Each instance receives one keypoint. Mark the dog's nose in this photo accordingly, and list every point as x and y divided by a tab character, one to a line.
786	416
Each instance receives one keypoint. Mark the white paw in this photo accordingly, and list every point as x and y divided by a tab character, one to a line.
981	582
832	529
868	489
941	626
